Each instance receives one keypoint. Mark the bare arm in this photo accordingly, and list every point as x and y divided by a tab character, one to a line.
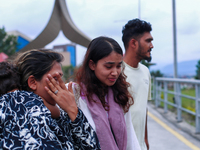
146	134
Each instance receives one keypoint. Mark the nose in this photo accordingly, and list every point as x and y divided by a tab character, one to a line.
115	71
151	46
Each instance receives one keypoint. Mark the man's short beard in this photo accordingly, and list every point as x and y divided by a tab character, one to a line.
148	59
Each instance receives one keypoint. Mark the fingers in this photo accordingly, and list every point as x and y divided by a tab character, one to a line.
53	84
70	87
50	92
61	83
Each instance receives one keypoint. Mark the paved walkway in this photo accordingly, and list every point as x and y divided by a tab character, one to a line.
165	135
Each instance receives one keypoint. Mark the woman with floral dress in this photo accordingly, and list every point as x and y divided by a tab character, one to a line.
35	119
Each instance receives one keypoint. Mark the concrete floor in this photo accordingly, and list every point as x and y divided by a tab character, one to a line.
165	135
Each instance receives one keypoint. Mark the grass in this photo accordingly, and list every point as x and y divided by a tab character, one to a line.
186	103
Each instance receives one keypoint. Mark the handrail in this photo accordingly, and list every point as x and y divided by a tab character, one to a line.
160	85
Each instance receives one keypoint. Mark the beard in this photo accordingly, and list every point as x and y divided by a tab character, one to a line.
142	54
148	59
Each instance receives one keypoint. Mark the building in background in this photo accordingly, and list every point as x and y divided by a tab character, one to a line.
69	48
22	39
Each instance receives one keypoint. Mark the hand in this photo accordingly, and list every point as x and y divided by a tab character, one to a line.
147	144
63	97
146	133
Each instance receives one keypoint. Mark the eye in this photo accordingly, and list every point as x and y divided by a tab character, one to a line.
55	78
108	66
149	40
119	66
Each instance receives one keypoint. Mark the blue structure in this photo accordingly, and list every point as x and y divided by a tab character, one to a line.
22	39
71	48
22	42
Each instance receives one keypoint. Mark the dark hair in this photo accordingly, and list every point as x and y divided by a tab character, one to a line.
9	78
36	62
134	29
99	48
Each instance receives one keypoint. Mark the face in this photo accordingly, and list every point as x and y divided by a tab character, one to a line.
145	46
42	83
108	69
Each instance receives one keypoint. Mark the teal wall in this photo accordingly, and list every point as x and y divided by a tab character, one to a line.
21	43
72	50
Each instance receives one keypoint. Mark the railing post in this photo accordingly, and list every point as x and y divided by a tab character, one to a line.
179	101
154	88
157	94
165	96
178	97
197	93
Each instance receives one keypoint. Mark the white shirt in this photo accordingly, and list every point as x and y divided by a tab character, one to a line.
140	89
132	142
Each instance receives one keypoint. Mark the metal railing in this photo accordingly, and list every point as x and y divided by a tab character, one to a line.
162	88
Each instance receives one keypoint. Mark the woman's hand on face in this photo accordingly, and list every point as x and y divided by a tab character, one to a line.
63	97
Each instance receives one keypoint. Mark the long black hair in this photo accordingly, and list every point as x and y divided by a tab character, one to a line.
9	78
99	48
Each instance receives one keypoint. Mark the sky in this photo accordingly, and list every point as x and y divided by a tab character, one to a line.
107	17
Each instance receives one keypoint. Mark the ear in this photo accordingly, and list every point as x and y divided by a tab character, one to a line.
92	65
133	43
32	83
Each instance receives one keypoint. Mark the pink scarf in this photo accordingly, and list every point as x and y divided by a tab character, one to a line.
115	139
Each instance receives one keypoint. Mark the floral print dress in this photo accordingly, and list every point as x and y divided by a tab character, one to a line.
26	123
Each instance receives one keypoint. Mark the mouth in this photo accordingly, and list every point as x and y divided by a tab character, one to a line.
149	50
112	79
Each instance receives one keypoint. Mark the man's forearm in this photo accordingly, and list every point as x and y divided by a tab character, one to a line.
146	134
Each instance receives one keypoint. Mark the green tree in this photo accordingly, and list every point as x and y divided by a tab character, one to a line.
8	43
156	73
68	72
145	63
198	70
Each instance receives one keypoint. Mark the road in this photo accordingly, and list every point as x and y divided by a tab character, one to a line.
164	135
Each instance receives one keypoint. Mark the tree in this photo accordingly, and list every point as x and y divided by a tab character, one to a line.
68	72
145	63
198	70
8	43
156	73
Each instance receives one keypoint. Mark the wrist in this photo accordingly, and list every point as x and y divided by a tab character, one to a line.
73	113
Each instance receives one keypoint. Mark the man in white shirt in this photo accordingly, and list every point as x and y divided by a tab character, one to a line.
137	41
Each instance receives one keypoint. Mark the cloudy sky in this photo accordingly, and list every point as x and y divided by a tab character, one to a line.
107	17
